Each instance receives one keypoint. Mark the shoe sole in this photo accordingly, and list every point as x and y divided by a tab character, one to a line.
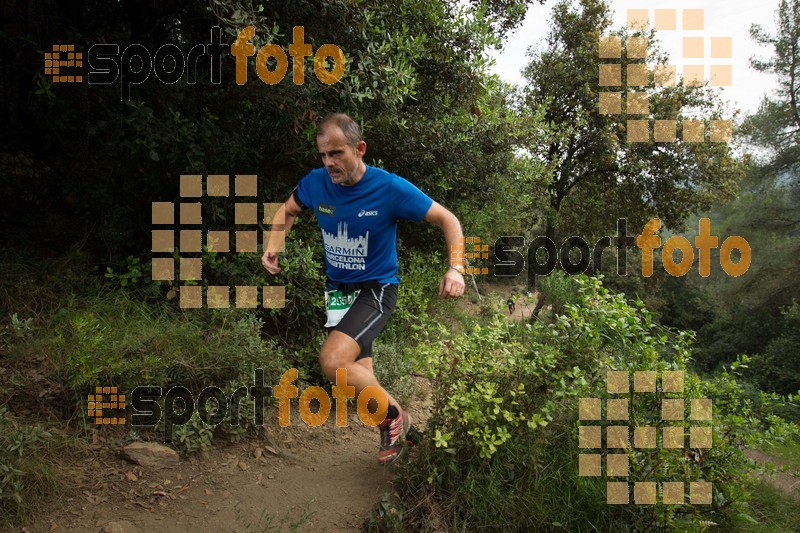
396	457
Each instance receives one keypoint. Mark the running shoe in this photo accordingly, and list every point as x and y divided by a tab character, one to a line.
393	438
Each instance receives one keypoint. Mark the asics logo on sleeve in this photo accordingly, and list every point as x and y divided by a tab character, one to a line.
365	213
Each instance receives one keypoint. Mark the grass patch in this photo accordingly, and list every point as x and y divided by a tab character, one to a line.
27	476
468	497
393	364
111	339
292	520
772	510
786	451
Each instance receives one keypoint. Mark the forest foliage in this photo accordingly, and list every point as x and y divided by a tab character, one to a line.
81	164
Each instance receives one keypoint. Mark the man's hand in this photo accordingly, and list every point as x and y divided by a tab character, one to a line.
270	262
452	285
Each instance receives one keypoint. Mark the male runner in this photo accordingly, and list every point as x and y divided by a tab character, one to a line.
357	207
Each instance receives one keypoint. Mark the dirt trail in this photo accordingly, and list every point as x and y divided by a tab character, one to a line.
523	307
786	482
320	479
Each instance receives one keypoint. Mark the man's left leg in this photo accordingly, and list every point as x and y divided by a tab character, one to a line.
366	362
341	351
349	346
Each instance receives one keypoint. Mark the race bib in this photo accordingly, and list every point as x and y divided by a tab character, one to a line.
337	303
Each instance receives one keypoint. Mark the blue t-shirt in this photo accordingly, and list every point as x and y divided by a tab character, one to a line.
359	222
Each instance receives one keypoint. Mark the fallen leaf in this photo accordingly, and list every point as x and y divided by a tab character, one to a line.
257	453
271	450
242	466
131	476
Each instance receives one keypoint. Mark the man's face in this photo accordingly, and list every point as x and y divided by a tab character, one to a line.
342	161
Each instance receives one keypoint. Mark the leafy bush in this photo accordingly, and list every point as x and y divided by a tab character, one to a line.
193	436
420	275
196	435
559	289
504	426
17	329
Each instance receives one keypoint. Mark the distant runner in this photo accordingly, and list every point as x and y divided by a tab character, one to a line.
357	208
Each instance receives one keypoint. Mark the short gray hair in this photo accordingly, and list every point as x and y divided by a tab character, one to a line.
350	128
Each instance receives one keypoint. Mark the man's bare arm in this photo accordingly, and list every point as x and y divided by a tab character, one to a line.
288	211
452	283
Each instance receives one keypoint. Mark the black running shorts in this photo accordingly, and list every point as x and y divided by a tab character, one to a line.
368	315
